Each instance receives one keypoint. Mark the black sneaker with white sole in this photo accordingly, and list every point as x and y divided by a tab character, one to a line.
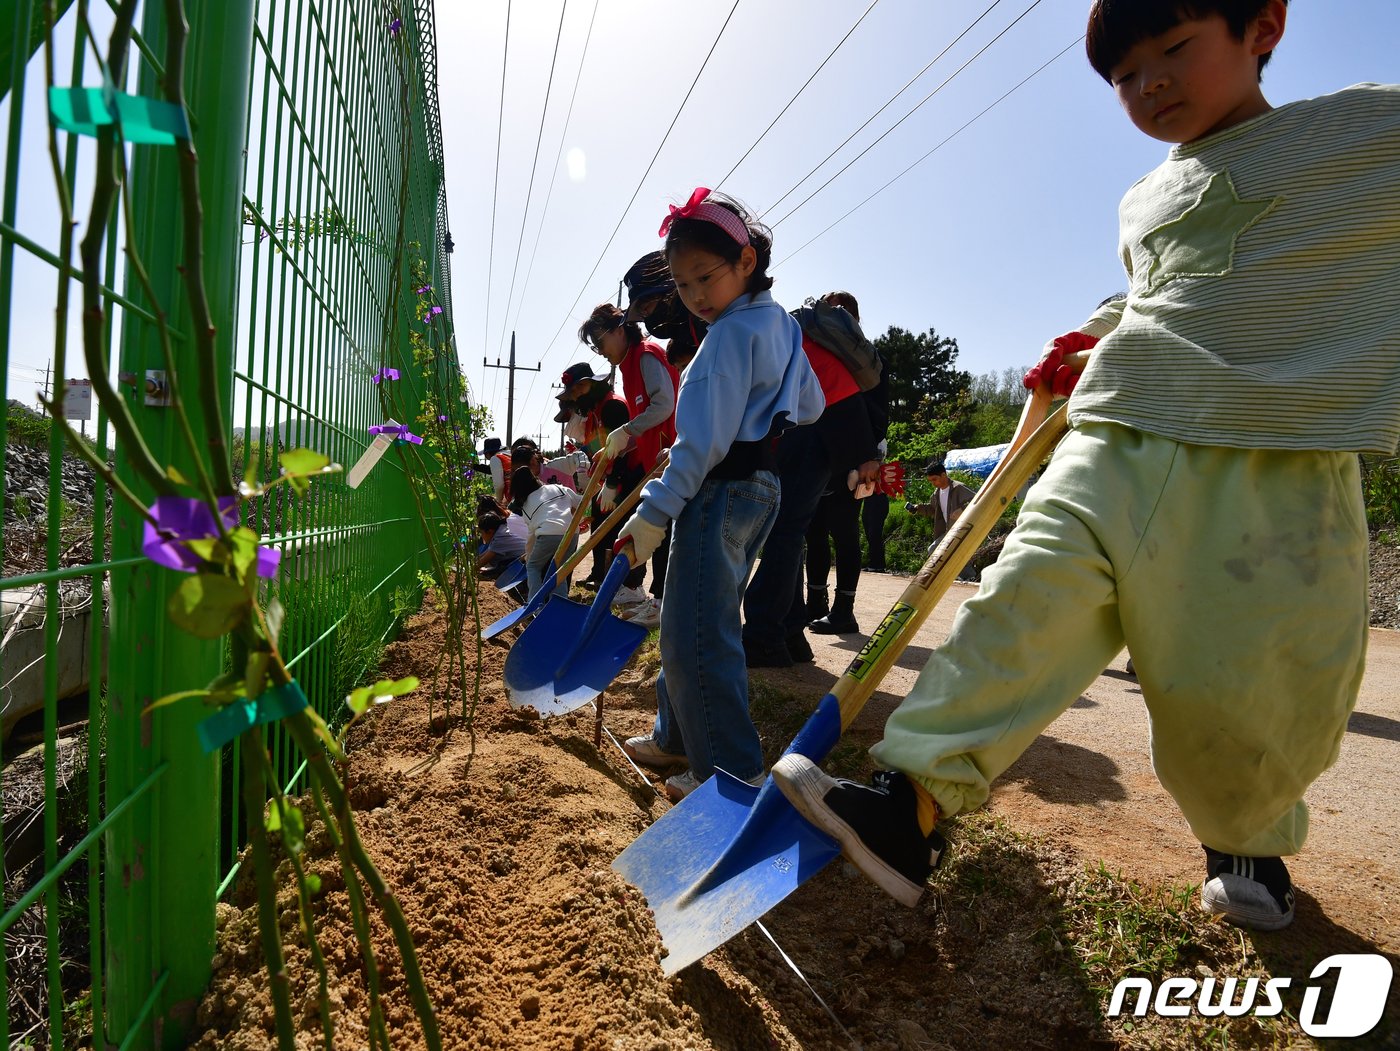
877	825
1249	892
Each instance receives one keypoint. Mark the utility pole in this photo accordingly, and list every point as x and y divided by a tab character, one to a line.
510	387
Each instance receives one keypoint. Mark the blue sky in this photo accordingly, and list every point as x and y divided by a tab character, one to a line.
1003	237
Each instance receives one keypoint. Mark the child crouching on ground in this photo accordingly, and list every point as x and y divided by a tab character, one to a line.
1206	506
548	509
749	381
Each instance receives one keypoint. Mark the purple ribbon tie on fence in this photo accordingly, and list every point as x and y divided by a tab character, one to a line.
385	374
242	715
180	518
432	313
399	431
424	290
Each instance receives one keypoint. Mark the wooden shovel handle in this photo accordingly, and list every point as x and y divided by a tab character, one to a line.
614	519
1033	442
595	482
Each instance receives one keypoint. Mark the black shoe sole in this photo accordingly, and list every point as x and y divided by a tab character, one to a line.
805	786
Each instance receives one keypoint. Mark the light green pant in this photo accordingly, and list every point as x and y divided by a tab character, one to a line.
1236	577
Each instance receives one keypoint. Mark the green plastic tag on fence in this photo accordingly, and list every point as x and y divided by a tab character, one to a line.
242	715
146	121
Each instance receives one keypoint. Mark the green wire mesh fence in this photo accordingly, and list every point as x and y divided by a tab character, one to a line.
326	248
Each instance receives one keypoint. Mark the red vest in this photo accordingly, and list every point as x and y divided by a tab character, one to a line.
504	457
834	377
649	443
595	431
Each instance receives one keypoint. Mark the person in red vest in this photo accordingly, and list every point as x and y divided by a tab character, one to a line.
649	384
499	461
603	412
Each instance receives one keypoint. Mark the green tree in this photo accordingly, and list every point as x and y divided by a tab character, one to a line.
924	384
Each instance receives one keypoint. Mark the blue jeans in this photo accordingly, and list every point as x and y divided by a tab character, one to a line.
537	563
702	694
773	607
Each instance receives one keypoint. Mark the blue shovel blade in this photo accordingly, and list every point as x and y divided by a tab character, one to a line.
533	674
718	860
530	608
510	576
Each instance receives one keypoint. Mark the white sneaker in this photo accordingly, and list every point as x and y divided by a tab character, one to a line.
647	752
681	785
629	596
647	614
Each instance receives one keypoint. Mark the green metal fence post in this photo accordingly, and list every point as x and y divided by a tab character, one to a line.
162	865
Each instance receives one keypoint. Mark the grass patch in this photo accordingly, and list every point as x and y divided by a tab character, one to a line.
1082	930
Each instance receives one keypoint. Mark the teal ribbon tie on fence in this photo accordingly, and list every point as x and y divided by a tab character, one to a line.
242	715
149	122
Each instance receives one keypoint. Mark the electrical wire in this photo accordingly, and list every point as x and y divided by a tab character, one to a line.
642	180
524	218
794	98
947	80
495	186
544	215
908	84
935	149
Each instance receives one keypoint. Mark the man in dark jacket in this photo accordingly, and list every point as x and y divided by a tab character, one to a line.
948	501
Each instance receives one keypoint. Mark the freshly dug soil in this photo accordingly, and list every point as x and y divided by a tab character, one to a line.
497	843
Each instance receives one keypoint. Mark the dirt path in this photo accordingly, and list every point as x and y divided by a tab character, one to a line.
1088	780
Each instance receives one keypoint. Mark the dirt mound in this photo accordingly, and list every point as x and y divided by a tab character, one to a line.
498	846
500	858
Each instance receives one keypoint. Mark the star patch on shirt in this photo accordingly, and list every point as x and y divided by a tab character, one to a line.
1201	241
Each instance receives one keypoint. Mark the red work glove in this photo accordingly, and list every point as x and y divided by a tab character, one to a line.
1052	371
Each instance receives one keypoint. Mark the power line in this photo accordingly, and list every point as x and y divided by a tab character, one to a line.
882	109
524	218
935	149
643	179
948	80
563	137
794	98
495	186
544	215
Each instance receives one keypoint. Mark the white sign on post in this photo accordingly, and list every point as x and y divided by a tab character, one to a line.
77	400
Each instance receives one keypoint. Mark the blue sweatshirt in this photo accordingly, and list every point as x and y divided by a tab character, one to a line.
749	371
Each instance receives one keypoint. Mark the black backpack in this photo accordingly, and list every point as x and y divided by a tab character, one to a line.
835	329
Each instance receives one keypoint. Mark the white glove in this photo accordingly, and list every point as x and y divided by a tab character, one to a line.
618	443
607	498
581	461
645	537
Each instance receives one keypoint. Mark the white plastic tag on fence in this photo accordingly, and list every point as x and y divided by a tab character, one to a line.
371	456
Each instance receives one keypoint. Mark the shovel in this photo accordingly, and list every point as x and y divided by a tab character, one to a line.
510	576
570	652
542	596
516	572
728	852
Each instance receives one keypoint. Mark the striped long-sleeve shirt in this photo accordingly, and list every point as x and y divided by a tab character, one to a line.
1264	285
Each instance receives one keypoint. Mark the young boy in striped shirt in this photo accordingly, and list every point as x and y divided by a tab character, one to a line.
1205	509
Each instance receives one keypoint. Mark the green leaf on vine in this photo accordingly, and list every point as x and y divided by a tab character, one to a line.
292	825
171	698
358	700
208	548
209	606
244	543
